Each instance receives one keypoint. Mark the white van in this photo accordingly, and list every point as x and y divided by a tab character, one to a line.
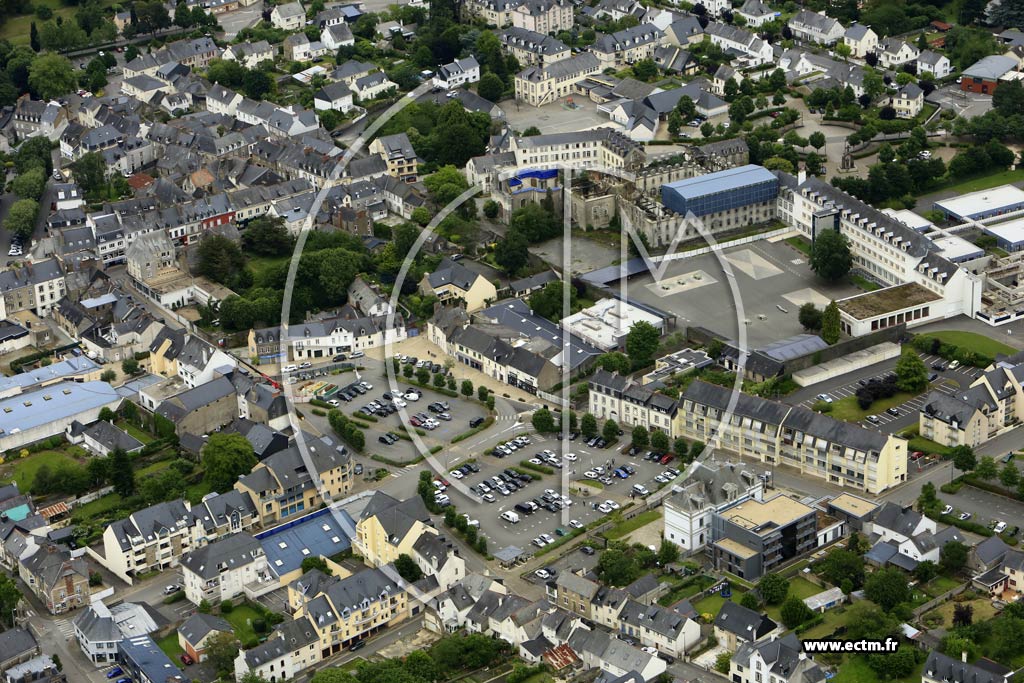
290	368
510	516
640	490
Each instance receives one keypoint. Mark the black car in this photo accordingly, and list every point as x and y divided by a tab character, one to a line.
863	382
358	645
340	357
940	366
384	440
473	467
932	377
476	422
574	436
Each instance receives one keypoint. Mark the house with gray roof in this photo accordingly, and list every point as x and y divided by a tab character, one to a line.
816	27
940	668
16	646
781	659
226	568
102	438
659	627
756	13
711	487
196	632
735	625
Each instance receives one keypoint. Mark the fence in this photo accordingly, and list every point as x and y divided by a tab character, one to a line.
945	597
90	497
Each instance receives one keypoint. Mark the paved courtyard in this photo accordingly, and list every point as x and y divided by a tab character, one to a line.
773	281
557	117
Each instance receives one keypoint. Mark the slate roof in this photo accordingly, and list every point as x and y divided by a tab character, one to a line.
944	668
742	622
234	551
200	625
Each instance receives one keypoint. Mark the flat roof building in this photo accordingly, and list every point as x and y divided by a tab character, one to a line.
606	323
958	250
752	538
1009	234
983	203
716	192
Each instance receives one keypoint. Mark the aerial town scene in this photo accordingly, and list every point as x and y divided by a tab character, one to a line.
512	341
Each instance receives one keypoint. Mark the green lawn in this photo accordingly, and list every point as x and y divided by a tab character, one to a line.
630	525
833	619
261	264
799	587
847	408
864	283
979	343
939	585
134	431
855	669
800	244
25	468
153	468
241	619
169	644
982	182
195	492
713	603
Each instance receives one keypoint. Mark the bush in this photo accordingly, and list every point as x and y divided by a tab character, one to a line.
527	465
174	597
226	606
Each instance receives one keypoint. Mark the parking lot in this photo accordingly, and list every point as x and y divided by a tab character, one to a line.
947	380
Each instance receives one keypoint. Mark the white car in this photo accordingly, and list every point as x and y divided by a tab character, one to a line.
439	485
603	507
650	650
334	402
456	474
1000	528
824	397
399	402
410	396
367	386
290	368
488	497
571	457
575	524
542	574
536	461
470	521
612	504
548	538
948	509
566	501
591	474
442	499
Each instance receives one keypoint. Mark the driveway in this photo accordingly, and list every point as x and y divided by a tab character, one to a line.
965	104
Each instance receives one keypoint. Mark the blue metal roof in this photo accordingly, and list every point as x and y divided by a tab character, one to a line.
721	181
73	365
318	534
143	654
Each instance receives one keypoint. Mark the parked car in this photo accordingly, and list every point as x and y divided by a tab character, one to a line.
1000	527
586	550
964	516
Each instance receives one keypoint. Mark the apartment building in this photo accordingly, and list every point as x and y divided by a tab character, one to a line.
712	487
628	46
751	538
36	287
600	147
156	537
817	445
389	527
282	488
531	48
993	402
629	403
540	85
228	567
543	16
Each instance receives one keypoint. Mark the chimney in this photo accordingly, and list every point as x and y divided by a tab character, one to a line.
773	637
801	177
963	656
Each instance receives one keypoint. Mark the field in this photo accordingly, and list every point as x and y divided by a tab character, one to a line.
982	182
169	644
983	611
847	409
855	669
623	528
979	343
241	619
17	28
798	587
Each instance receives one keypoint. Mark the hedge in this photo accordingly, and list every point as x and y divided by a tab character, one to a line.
488	421
320	404
441	390
972	479
526	464
397	463
362	416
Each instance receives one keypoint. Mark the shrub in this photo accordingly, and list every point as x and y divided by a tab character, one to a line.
226	606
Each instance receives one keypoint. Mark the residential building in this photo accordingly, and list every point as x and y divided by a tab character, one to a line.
753	50
735	626
531	48
751	538
334	96
934	63
756	13
838	452
630	404
781	660
228	567
908	101
100	629
398	153
659	627
337	36
816	27
893	53
540	85
101	438
457	73
197	631
291	649
41	669
288	17
940	668
985	75
17	646
543	16
249	55
33	118
388	528
628	46
35	287
861	40
452	280
711	488
59	580
143	661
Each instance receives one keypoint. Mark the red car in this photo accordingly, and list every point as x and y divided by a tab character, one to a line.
187	660
666	459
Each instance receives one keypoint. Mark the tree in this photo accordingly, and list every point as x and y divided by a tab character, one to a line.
866	620
887	588
614	361
10	594
963	614
610	431
91	172
543	421
617	568
108	376
466	388
129	366
707	129
773	588
696	448
548	301
408	569
267	236
963	458
30	185
724	659
1009	476
33	39
911	372
794	612
810	317
987	468
659	441
225	457
642	343
668	553
21	219
492	209
680	447
925	571
221	650
843	50
315	562
51	76
953	557
928	500
511	254
588	425
641	437
831	259
257	84
122	477
422	375
816	139
750	601
830	323
220	259
491	87
645	70
840	564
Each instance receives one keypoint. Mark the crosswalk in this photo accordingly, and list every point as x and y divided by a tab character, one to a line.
66	628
